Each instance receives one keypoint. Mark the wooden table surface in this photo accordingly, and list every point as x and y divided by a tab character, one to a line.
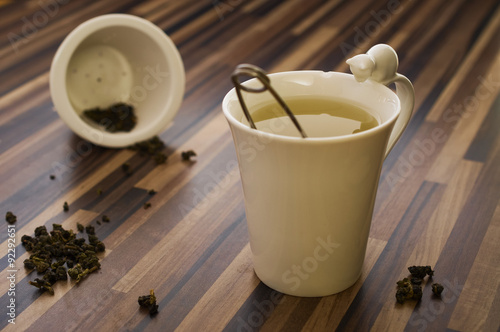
437	202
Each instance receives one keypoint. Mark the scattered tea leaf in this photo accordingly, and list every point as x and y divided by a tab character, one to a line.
43	285
90	230
147	205
52	177
404	291
416	281
149	302
148	147
421	271
10	217
437	289
151	192
410	288
188	155
65	207
153	148
105	218
160	158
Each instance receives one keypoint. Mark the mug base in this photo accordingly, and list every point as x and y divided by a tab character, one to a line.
307	290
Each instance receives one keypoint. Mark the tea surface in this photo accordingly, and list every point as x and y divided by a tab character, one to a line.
319	117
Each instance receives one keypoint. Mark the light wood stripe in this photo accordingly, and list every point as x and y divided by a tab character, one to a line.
21	93
222	300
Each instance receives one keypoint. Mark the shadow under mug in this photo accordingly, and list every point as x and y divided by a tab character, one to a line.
309	201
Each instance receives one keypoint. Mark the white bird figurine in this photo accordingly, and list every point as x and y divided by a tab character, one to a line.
380	64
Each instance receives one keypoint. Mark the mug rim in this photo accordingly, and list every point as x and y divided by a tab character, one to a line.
231	95
59	93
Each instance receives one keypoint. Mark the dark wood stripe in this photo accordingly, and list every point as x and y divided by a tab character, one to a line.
257	308
487	135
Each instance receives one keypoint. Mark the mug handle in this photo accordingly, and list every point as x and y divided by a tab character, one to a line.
406	95
380	64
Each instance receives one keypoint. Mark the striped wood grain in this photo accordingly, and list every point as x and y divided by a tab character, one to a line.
437	203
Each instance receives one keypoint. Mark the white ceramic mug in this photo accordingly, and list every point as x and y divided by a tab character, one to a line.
309	201
117	58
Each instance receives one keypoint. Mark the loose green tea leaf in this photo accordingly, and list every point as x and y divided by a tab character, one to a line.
416	281
65	207
147	205
52	177
410	288
148	147
437	289
421	271
99	192
160	158
90	230
152	192
80	227
51	251
105	218
117	117
78	273
152	147
404	291
417	292
187	155
10	217
43	285
149	302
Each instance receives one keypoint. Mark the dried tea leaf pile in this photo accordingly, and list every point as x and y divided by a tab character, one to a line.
117	117
411	289
52	253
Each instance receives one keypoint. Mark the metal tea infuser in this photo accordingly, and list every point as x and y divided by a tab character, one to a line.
260	74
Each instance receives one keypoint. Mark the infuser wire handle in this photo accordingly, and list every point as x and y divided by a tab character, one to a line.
249	70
